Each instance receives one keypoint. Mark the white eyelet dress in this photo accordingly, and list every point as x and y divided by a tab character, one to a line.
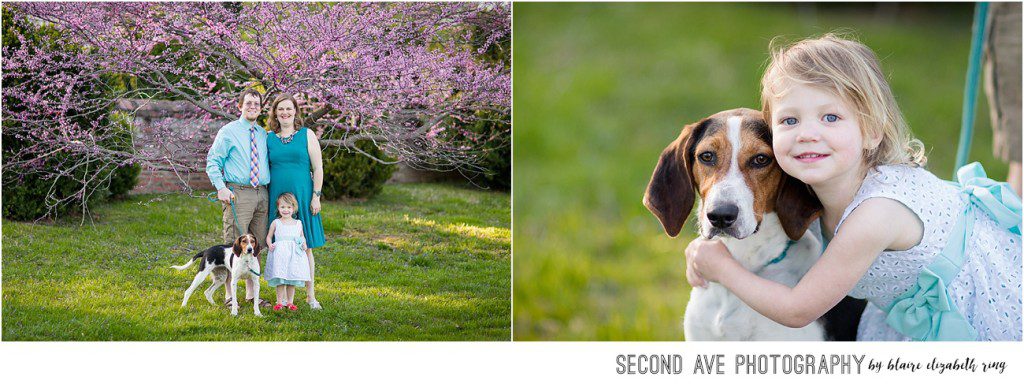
986	290
287	263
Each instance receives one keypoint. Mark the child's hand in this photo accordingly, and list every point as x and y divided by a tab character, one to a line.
692	277
272	247
705	260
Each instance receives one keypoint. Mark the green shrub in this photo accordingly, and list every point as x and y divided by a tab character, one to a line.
20	203
28	197
495	153
348	173
126	176
25	199
123	180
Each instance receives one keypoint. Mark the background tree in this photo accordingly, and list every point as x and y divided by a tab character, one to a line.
406	76
55	179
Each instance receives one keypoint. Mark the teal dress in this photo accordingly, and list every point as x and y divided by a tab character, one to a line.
290	172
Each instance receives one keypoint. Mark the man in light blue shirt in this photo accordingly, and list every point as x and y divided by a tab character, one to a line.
237	166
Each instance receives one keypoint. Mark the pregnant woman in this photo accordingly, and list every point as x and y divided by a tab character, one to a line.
296	167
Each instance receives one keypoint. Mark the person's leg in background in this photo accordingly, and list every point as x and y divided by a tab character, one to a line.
1003	85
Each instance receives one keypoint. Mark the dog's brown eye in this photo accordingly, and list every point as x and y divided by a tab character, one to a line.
707	158
760	161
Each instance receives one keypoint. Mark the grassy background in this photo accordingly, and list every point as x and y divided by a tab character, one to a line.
418	262
601	89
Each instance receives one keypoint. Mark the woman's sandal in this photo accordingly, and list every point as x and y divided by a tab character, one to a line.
277	307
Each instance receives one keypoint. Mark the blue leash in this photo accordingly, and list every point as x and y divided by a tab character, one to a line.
212	196
971	88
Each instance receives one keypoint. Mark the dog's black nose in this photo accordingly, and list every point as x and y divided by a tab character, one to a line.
723	216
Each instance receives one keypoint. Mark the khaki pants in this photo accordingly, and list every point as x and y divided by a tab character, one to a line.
1003	79
251	206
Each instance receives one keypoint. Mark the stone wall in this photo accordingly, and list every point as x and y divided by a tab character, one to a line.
173	113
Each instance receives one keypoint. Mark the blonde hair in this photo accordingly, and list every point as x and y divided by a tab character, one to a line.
852	72
289	199
272	122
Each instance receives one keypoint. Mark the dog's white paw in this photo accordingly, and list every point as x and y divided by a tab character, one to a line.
258	314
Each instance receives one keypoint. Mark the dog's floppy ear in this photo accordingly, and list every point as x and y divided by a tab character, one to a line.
256	247
796	206
237	247
669	194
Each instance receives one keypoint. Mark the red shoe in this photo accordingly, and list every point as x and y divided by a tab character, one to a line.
292	307
277	307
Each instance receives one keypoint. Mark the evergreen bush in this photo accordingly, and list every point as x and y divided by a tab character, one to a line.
348	173
494	144
126	176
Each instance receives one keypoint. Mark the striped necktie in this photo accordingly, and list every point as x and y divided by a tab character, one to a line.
254	165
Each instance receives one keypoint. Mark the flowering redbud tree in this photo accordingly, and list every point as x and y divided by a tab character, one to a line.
407	76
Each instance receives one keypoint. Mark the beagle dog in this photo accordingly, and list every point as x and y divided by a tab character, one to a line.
761	214
229	263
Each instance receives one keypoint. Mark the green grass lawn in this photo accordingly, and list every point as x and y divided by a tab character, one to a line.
601	89
418	262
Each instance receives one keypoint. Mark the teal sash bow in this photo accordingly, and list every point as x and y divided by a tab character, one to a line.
299	240
926	312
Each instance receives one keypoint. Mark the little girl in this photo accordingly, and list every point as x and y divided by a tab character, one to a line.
287	266
935	261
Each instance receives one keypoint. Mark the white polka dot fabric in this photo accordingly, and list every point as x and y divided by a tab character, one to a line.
987	290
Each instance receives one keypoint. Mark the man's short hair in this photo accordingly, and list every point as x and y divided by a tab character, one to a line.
249	91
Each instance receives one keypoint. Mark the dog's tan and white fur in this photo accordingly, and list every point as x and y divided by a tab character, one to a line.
228	264
747	202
